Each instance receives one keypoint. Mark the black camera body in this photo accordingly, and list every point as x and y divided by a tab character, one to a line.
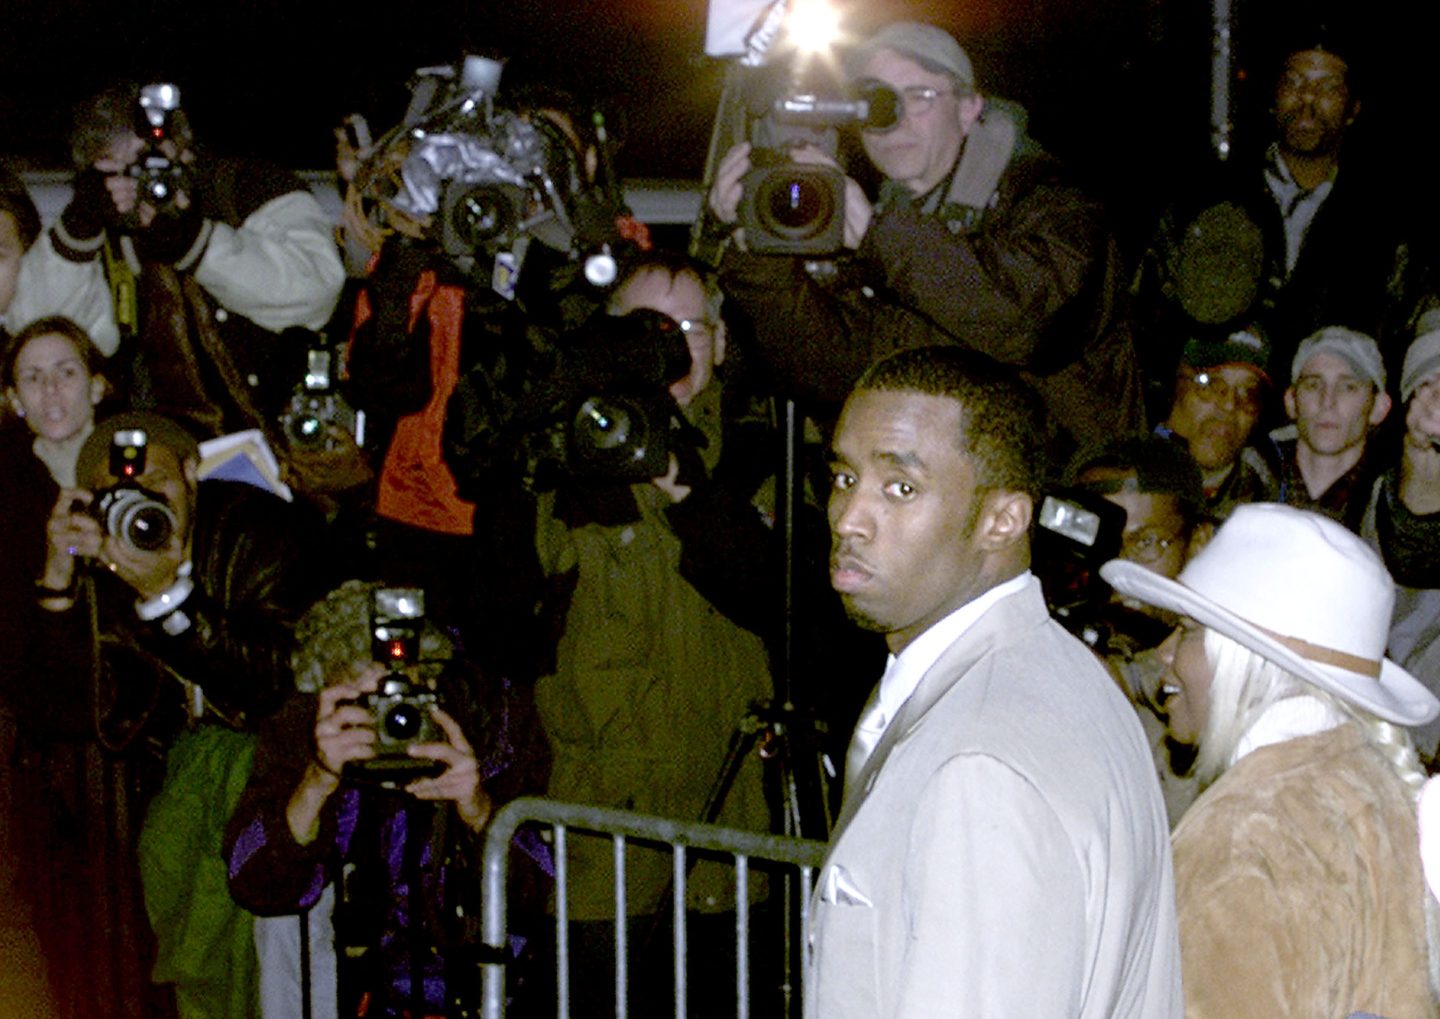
607	413
400	710
790	208
127	511
160	178
317	407
1076	533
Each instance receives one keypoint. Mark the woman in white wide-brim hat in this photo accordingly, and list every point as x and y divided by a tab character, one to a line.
1297	872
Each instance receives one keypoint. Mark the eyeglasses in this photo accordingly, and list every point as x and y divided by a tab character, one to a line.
918	99
1216	389
698	327
891	105
1146	547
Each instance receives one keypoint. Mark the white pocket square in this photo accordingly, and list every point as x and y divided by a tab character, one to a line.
837	889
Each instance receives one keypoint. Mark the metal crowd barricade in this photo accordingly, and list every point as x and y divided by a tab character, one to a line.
620	825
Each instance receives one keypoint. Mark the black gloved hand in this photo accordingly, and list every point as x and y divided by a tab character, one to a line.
91	208
686	443
170	236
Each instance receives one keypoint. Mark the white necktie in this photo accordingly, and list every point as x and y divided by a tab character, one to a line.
867	731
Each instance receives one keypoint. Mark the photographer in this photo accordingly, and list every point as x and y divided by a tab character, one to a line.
462	307
644	678
187	265
165	633
977	238
312	813
1157	485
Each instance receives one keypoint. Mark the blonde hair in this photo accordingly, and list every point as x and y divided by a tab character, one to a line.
1245	684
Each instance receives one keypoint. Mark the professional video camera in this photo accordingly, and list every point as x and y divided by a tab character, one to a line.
127	511
1077	532
316	407
161	178
400	710
608	414
489	180
793	208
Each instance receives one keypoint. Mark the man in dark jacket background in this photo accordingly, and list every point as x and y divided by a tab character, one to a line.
976	238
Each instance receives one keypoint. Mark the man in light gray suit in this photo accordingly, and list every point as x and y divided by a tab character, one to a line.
1002	849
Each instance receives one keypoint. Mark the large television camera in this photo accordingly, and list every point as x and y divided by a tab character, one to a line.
607	414
790	208
489	180
1076	533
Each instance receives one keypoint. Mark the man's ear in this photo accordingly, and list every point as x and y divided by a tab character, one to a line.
191	467
1200	536
1381	408
719	342
1289	398
970	107
13	399
1004	520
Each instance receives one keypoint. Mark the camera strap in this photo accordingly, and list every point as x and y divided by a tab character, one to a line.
124	293
987	152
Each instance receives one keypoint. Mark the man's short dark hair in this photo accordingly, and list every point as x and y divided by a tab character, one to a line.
15	199
95	454
1002	421
1161	466
113	112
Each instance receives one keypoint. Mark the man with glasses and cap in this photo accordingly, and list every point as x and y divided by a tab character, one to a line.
1220	392
975	238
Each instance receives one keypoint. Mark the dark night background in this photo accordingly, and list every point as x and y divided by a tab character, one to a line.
1117	87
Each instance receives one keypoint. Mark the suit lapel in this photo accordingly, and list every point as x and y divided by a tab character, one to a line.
1005	623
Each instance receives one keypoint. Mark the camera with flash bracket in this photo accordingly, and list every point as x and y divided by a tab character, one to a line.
400	710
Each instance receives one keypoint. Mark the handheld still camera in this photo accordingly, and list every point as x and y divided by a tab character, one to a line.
1076	533
400	710
790	208
127	511
160	176
317	408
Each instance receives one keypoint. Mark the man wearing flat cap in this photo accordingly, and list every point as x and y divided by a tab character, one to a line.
975	238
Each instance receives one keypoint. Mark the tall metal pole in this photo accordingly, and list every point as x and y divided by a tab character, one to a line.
1222	124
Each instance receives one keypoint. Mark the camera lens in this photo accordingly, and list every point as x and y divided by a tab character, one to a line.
602	425
403	721
481	214
149	527
307	430
796	204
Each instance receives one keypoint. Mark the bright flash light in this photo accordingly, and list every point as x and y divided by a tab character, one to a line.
814	25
